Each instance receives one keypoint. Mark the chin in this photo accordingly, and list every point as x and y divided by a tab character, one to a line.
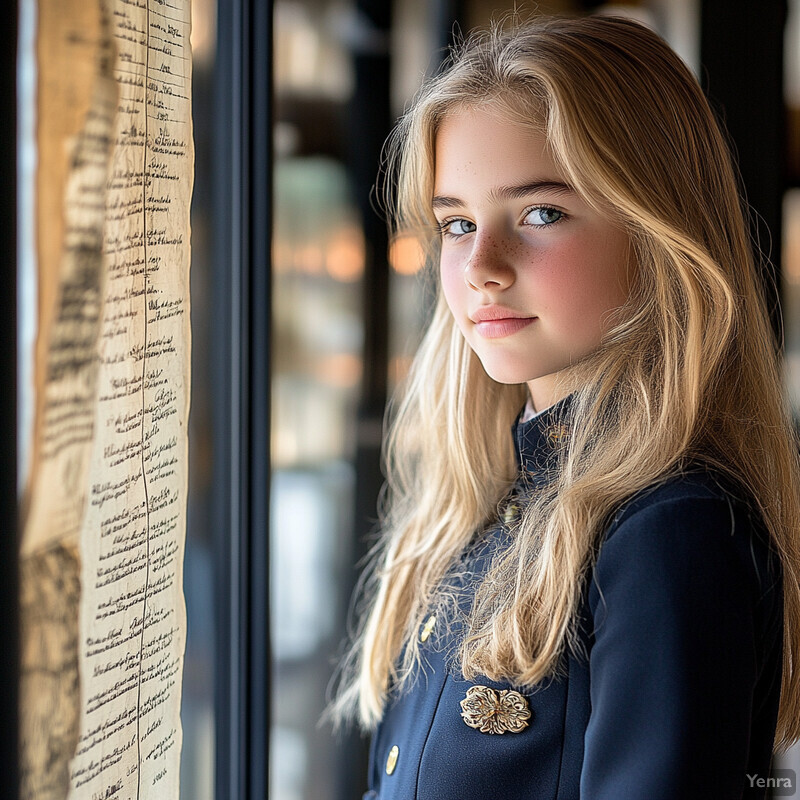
504	374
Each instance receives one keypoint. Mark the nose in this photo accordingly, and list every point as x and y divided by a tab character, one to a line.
488	266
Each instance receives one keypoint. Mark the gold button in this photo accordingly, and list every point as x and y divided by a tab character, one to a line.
391	761
427	629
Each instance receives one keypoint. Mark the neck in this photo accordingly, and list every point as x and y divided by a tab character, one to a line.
545	391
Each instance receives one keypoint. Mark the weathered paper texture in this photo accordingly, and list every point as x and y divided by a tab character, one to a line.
103	610
76	106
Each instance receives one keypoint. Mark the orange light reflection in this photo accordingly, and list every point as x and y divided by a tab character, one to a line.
406	255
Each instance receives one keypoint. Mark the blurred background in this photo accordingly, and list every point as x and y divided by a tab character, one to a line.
346	312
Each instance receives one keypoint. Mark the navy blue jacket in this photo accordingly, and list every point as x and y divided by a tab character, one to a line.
676	698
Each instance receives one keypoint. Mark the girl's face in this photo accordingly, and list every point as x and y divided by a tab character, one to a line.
531	273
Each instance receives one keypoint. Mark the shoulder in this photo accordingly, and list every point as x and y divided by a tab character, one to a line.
686	625
695	530
686	494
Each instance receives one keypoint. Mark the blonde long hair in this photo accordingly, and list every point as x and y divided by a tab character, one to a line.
691	372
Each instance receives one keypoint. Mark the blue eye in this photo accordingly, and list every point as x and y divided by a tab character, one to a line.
457	227
542	216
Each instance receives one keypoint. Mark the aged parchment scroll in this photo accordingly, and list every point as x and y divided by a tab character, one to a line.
102	548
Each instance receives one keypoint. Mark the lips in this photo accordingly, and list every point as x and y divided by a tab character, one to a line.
495	322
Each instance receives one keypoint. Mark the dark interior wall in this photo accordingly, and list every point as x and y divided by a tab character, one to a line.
741	48
9	558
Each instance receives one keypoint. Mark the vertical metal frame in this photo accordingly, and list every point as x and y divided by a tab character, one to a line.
9	533
242	152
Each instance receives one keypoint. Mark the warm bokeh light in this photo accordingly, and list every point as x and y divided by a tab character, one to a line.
282	255
309	58
398	368
791	234
309	259
406	255
344	256
342	370
204	30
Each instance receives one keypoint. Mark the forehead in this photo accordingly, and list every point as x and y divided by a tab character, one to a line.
486	145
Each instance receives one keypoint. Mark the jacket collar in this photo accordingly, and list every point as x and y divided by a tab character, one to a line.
536	440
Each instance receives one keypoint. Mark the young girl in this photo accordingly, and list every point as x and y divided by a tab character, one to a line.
588	578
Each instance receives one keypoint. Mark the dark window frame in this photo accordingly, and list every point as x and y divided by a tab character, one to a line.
9	540
242	187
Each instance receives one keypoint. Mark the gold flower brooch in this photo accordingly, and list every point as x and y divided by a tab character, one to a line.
490	711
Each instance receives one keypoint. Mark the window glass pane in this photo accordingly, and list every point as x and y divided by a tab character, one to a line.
318	262
197	706
317	325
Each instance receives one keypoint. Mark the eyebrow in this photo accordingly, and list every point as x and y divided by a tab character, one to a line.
509	193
